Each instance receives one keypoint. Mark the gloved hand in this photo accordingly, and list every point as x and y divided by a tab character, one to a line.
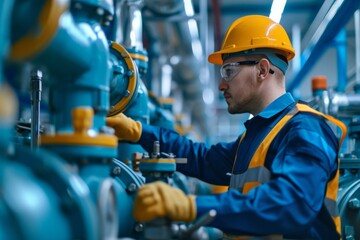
159	199
126	129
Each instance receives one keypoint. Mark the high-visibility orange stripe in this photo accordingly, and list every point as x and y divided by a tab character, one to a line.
246	180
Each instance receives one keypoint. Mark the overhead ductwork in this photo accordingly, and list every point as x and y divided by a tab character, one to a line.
176	57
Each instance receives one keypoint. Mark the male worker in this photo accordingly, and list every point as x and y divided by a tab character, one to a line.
282	172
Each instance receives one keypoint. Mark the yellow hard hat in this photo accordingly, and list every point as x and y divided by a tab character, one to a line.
251	33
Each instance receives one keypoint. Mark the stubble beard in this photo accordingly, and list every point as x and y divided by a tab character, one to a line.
232	109
236	108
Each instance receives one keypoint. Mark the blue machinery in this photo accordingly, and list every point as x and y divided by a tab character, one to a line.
69	178
69	184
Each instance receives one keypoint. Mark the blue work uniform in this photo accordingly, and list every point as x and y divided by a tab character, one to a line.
302	159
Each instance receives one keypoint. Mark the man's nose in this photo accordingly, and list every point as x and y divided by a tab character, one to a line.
222	85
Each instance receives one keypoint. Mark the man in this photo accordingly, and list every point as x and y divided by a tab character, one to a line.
282	172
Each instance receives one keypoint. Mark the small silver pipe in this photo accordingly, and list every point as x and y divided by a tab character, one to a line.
118	21
156	150
133	28
344	104
36	88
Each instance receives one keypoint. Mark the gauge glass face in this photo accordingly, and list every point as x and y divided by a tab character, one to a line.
108	210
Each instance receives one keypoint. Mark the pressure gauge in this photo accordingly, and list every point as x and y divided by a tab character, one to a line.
108	210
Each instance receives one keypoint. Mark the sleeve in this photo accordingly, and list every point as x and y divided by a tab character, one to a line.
209	164
304	159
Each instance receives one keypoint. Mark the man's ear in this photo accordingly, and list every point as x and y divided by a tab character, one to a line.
264	68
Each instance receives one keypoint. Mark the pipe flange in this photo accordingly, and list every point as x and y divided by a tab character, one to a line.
157	165
100	140
132	83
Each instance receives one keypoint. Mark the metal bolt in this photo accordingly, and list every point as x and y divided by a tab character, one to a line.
36	74
116	171
139	227
130	73
131	187
100	11
354	203
156	149
127	93
109	17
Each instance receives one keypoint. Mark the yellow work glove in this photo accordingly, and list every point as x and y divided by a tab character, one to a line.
159	199
126	129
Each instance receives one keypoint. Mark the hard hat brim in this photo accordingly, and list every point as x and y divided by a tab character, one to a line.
216	57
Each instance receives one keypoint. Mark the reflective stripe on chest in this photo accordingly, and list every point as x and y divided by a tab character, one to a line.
257	173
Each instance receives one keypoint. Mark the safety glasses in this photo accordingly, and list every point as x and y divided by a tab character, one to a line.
229	70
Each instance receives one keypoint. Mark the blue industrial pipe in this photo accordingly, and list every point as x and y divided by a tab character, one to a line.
330	27
341	53
79	102
40	199
83	78
113	188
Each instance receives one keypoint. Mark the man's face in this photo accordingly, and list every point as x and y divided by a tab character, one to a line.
239	85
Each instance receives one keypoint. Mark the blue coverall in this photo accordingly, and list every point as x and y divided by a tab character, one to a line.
302	159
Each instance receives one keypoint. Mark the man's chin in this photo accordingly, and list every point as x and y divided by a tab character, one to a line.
231	110
234	111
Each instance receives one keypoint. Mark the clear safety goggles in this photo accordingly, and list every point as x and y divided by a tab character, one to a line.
229	70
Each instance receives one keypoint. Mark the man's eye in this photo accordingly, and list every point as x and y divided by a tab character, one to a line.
229	71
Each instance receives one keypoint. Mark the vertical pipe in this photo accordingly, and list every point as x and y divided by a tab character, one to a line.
204	28
296	40
357	45
117	35
36	88
217	24
133	28
341	52
336	18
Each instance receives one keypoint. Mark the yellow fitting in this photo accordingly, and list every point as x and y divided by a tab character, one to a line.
82	118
